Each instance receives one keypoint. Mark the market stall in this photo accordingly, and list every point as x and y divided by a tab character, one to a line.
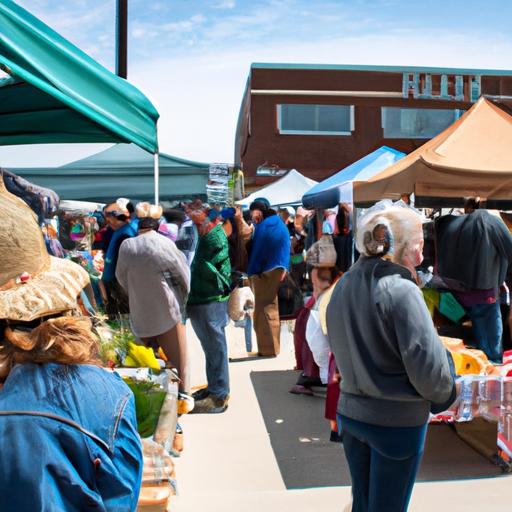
470	158
56	93
338	188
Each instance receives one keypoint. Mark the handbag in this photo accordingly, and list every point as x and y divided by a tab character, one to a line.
290	298
322	253
240	301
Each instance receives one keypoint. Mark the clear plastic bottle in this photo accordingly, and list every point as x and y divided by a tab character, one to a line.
465	412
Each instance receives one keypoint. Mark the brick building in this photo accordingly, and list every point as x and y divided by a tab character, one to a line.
320	118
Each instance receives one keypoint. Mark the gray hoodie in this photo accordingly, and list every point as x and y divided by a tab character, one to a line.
392	363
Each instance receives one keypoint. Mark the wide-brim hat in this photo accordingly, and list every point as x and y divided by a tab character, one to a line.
33	284
52	291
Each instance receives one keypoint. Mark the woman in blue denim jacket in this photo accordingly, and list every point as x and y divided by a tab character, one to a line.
68	426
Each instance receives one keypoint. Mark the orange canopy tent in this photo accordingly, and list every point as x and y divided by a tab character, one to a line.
472	157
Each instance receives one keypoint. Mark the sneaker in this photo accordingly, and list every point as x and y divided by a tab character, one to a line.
210	405
200	394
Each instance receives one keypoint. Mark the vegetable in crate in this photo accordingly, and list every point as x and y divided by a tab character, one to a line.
149	398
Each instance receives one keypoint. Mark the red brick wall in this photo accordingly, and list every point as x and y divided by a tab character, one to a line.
319	156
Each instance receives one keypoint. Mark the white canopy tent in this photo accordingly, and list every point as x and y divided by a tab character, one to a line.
286	191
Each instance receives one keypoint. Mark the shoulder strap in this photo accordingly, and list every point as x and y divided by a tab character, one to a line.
60	419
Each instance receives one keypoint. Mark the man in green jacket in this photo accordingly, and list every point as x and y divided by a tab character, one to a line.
207	308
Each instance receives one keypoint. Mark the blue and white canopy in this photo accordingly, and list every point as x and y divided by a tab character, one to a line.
338	188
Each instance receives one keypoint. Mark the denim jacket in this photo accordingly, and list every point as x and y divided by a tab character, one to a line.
69	440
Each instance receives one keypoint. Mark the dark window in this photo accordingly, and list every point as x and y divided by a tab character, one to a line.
296	119
416	123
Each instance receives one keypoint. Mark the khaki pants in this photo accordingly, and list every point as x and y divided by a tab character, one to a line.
266	311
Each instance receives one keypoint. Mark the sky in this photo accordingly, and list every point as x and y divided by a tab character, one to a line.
192	57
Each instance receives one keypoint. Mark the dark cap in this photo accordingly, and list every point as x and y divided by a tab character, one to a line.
261	203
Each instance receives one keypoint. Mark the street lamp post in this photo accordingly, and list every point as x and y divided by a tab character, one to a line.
122	38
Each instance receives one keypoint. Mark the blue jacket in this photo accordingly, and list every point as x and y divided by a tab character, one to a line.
270	246
129	230
81	452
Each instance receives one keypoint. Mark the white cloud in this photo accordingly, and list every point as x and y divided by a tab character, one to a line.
184	25
225	4
91	29
139	32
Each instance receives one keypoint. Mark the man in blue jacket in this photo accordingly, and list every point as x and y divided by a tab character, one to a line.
269	260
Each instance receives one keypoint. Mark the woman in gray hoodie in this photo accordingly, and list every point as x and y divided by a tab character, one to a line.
394	368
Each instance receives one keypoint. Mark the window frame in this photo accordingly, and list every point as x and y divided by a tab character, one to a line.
280	131
457	113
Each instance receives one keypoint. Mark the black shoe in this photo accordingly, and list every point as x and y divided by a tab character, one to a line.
335	437
200	394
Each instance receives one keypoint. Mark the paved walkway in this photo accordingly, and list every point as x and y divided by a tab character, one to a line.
228	464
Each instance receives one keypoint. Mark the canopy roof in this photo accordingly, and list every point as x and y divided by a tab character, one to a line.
472	157
287	190
57	93
123	170
338	188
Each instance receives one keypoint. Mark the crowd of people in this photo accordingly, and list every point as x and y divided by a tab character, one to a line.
362	327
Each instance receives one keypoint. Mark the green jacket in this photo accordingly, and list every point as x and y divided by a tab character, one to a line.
211	269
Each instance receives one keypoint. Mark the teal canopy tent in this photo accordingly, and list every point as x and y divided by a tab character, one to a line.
57	93
124	170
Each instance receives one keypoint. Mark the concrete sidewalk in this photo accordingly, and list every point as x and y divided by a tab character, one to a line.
228	464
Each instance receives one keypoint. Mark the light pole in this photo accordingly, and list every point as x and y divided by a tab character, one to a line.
122	38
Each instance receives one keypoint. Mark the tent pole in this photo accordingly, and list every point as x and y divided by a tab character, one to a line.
157	176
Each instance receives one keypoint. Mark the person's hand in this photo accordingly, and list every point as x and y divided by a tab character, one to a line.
238	216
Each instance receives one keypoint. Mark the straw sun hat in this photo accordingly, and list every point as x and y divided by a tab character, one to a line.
33	284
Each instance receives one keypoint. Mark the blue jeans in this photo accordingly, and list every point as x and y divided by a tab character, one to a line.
487	329
383	463
209	322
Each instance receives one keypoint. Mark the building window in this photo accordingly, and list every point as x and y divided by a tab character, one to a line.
416	123
294	119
